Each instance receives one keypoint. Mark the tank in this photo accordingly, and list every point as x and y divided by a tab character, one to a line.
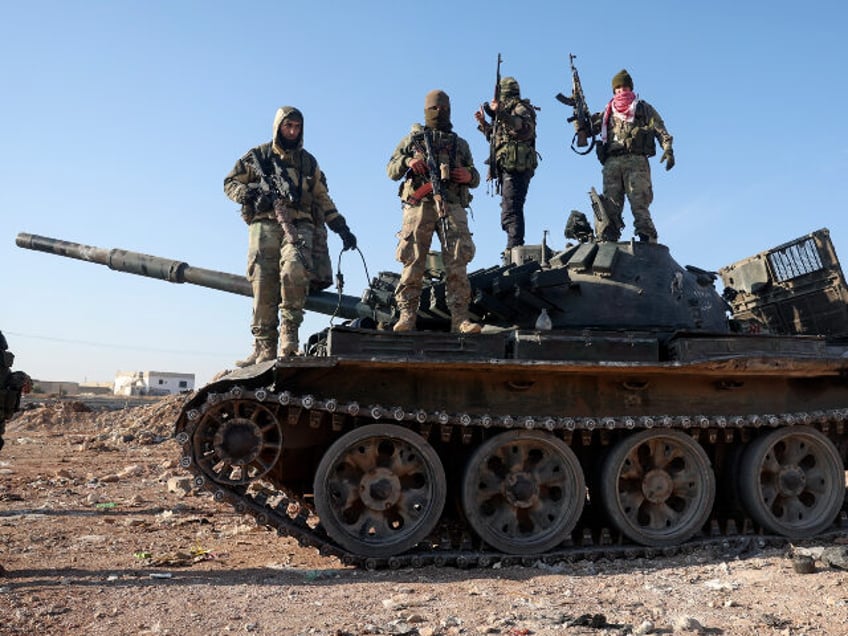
615	403
12	385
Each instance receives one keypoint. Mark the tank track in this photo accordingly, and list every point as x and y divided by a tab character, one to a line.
293	517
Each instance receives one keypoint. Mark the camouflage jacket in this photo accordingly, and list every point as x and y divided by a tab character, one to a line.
450	148
310	196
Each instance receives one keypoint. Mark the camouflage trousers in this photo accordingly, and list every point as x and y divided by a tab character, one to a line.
630	175
414	239
279	279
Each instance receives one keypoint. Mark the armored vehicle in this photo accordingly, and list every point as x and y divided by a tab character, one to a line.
12	385
615	403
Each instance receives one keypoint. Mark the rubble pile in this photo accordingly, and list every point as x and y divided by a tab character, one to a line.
150	422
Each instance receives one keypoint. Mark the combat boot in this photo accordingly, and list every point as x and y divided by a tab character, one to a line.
263	350
406	322
288	339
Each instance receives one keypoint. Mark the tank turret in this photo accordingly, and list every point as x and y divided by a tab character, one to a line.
612	286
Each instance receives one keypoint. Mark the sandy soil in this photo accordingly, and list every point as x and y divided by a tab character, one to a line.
101	533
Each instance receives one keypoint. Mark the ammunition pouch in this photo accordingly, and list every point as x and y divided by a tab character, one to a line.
517	157
465	197
642	142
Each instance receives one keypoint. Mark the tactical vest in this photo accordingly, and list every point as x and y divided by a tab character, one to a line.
637	138
444	146
512	154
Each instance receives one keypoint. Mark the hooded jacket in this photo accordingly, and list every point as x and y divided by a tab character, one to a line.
310	197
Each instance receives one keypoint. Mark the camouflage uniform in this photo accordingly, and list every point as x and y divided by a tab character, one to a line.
624	154
280	280
421	221
515	154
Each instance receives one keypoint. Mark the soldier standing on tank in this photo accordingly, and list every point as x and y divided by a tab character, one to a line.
514	127
280	269
629	128
421	219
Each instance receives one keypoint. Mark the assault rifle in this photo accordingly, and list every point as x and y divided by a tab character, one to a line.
581	117
494	173
438	173
280	191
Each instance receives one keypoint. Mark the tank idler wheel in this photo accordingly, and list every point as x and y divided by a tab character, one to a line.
792	481
237	441
523	492
380	490
657	487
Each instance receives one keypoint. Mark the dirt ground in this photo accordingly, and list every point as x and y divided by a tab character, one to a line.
100	533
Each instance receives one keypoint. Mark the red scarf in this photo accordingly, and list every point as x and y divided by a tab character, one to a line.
621	106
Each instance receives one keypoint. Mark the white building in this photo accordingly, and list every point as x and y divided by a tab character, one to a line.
152	383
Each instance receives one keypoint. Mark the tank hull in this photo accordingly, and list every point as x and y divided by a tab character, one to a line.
473	397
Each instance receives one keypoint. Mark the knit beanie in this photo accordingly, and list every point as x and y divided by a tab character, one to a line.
622	78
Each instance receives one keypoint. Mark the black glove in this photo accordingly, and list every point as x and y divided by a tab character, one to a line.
339	226
668	157
348	239
263	203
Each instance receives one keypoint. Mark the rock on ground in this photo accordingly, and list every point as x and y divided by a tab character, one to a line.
101	534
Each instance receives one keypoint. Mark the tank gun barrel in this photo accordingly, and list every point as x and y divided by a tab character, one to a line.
175	271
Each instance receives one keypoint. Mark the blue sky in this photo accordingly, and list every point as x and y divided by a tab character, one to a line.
120	119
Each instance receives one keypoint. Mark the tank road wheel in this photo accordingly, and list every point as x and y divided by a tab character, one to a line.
237	441
523	492
380	490
792	481
657	487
